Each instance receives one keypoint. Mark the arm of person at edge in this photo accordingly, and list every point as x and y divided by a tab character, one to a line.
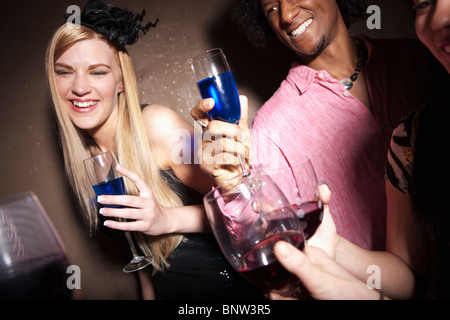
167	131
397	280
341	277
320	274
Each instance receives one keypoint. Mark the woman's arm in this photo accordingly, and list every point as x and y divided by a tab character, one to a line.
396	277
175	142
171	138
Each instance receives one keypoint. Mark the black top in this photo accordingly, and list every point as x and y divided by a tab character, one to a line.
198	270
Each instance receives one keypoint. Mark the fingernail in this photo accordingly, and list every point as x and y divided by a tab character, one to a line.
328	185
273	296
102	211
208	102
101	199
283	250
106	224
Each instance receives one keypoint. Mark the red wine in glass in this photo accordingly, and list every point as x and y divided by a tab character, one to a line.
310	214
260	266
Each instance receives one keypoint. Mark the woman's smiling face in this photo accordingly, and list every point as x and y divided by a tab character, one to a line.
89	79
433	28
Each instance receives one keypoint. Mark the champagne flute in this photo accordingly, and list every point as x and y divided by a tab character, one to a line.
215	80
106	180
247	221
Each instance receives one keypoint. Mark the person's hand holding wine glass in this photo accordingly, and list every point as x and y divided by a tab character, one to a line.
248	213
223	147
107	181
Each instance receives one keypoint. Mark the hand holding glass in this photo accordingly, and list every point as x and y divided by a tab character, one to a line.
215	80
106	180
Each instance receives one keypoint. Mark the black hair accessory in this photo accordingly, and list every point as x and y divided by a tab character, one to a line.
119	26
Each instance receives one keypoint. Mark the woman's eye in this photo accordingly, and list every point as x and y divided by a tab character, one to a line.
422	6
61	72
98	73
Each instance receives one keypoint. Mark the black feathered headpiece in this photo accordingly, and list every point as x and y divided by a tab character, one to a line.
119	26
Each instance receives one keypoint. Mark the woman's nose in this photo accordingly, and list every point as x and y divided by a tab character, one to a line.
440	20
81	86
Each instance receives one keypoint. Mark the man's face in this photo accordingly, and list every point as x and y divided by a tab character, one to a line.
304	26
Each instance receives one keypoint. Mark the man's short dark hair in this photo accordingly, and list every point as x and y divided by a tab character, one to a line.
249	17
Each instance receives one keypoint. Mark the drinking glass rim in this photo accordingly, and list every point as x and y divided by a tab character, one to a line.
101	154
207	54
209	197
304	159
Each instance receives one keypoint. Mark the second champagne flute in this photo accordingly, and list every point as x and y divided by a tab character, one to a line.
105	180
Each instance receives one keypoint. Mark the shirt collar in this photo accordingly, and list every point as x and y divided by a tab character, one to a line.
303	76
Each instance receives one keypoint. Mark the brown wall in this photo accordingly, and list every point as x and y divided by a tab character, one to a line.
30	158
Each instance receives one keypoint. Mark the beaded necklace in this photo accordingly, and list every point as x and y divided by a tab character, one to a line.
348	82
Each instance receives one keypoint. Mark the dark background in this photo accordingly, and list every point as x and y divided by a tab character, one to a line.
30	157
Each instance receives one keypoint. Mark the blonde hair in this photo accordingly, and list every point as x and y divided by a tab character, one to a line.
133	149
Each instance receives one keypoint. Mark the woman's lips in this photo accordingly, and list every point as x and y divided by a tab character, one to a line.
445	46
83	106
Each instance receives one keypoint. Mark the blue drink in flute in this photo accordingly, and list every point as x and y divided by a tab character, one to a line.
215	80
105	180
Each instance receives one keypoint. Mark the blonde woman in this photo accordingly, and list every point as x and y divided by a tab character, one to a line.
94	91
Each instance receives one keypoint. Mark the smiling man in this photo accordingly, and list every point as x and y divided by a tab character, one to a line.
338	105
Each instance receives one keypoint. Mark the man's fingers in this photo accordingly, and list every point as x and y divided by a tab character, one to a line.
243	122
199	112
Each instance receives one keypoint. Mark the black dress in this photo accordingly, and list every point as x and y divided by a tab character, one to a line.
198	270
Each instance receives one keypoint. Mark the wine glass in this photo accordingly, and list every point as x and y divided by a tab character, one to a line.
33	260
299	184
248	216
106	180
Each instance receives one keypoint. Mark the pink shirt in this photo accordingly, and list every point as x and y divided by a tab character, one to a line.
312	114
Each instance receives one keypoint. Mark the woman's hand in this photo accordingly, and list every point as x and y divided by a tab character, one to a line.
326	237
222	142
144	211
321	275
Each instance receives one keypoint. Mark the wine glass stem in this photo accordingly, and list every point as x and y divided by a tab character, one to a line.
244	168
131	243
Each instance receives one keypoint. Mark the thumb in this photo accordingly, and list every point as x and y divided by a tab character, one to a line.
291	258
297	263
243	122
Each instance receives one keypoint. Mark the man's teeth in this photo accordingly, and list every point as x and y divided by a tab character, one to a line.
302	28
84	104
